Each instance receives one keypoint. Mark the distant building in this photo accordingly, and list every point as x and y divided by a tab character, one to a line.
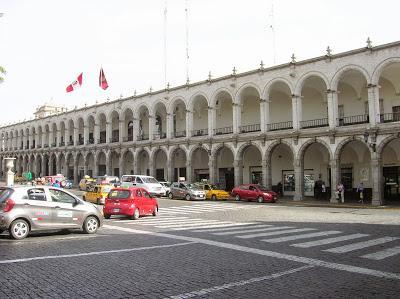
48	109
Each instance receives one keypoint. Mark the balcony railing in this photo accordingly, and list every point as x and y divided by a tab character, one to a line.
70	143
314	123
90	141
353	120
390	117
280	126
180	134
127	139
143	137
114	139
200	132
81	142
62	143
225	130
250	128
101	140
161	135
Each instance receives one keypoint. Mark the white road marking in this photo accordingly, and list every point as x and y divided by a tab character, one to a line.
220	224
205	222
49	239
361	245
380	255
303	236
162	218
177	221
267	227
278	255
226	286
234	226
329	240
281	232
91	253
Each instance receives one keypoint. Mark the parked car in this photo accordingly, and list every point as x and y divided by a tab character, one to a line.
144	181
213	192
108	180
85	182
186	191
133	202
32	208
97	193
166	187
254	192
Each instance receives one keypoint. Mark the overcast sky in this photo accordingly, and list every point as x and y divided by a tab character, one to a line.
46	44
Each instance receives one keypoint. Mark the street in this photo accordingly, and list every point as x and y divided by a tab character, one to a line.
213	249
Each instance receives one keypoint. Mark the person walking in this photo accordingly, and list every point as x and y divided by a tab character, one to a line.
340	190
360	191
323	190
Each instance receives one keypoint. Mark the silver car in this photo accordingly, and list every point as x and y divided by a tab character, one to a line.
31	208
186	191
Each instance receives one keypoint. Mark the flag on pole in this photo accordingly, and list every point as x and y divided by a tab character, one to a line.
76	84
102	80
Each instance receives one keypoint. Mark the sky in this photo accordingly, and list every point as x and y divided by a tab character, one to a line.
46	44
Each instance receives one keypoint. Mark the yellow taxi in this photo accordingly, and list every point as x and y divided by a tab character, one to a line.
97	193
83	184
213	192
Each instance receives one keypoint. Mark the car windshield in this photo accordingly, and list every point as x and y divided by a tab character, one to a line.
213	187
149	180
123	194
193	187
5	193
106	189
262	188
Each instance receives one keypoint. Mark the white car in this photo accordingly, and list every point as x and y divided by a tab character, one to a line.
166	186
144	181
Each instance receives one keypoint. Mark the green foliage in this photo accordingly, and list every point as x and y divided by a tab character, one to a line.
2	72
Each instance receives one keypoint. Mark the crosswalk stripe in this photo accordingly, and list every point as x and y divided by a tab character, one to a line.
180	211
163	218
303	236
168	221
238	232
218	226
361	245
380	255
201	225
242	226
329	240
276	233
188	224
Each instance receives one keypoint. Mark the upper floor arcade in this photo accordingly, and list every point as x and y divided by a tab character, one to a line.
328	93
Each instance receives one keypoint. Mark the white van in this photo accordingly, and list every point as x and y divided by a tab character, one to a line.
144	181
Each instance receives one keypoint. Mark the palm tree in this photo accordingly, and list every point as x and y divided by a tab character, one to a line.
2	72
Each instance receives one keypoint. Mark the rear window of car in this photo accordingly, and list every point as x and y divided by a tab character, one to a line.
149	180
119	194
5	194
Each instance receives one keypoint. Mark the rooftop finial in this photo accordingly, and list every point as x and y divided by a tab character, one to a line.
328	52
234	71
134	93
369	43
209	76
293	59
261	65
187	80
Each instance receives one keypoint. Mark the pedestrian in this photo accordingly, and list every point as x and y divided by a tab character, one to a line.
340	191
56	184
360	191
323	190
279	186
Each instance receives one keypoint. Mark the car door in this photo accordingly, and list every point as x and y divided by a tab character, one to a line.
252	193
139	201
182	190
147	202
36	206
66	211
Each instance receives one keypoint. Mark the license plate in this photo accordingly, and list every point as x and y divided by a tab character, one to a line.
116	210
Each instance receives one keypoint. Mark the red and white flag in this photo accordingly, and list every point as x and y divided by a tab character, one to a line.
76	84
102	80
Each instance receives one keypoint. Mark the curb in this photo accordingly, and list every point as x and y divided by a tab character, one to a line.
338	206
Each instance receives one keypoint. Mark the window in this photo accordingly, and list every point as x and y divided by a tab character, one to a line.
147	195
139	180
123	194
61	196
138	193
366	108
36	194
182	186
128	179
244	187
150	180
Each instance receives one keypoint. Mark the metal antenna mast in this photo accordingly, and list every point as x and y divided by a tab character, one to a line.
187	41
165	43
272	27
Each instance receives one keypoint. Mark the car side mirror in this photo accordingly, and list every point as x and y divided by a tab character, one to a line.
76	202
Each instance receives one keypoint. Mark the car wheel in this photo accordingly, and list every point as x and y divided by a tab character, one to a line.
260	199
213	197
187	197
170	195
136	214
107	216
19	229
237	197
155	212
90	225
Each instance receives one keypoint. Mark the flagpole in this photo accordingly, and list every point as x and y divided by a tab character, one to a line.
165	43
187	41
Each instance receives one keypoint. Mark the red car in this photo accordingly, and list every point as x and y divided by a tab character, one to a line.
132	202
254	192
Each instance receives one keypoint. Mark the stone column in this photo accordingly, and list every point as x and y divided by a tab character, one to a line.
170	170
121	132
299	180
266	173
58	166
377	182
30	140
152	123
95	165
135	129
76	136
108	164
212	168
51	167
151	168
296	111
373	104
76	182
96	133
66	136
108	133
335	177
51	134
238	171
263	115
43	139
237	117
170	125
189	172
332	102
135	167
121	165
58	137
86	134
44	165
189	123
211	121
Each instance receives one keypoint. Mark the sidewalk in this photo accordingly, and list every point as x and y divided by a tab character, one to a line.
311	202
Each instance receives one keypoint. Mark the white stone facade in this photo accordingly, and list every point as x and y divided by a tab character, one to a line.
333	117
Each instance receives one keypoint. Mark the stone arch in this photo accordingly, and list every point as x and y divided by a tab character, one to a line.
176	147
192	99
139	109
343	143
156	150
242	88
217	147
381	146
176	101
217	93
339	74
303	148
196	147
267	88
244	146
139	151
376	74
300	83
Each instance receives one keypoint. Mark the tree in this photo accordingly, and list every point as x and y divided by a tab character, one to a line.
2	72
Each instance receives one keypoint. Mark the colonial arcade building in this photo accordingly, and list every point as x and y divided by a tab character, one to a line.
333	118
